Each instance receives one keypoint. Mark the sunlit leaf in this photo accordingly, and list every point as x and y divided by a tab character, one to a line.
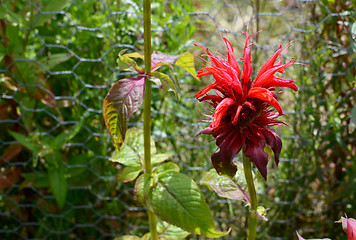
132	150
123	99
127	63
143	185
128	174
170	232
224	186
177	200
186	62
165	82
170	166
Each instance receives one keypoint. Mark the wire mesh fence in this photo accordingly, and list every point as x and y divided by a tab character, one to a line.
58	61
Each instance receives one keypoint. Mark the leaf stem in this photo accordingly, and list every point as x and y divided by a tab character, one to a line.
147	107
253	199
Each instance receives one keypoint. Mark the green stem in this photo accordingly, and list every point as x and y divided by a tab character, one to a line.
147	107
253	199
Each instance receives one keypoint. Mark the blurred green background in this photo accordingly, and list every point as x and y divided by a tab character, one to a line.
58	61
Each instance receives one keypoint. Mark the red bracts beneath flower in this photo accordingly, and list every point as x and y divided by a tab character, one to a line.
243	113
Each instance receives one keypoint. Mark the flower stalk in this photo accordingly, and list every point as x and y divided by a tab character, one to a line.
147	107
253	199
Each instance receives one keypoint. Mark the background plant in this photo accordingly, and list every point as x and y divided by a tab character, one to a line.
60	62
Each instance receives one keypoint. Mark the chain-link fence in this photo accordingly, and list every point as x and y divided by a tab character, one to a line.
58	63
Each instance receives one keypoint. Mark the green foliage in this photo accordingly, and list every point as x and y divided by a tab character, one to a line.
176	199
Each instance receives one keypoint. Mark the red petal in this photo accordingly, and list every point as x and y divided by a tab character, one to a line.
231	57
223	160
281	82
270	62
257	155
239	108
274	141
246	60
220	110
265	95
267	76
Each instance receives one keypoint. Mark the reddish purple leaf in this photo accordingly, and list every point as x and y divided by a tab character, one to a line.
124	98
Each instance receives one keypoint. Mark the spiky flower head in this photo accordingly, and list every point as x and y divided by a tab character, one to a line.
244	108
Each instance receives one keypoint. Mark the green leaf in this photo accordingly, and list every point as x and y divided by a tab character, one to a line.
12	17
52	6
67	135
132	150
127	237
163	81
135	55
170	232
159	157
177	200
127	63
186	62
352	124
224	186
353	36
143	185
57	179
54	59
28	141
128	174
170	166
123	99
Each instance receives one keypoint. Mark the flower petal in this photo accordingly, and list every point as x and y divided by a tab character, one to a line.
301	238
220	110
265	95
223	160
246	60
274	141
231	57
256	154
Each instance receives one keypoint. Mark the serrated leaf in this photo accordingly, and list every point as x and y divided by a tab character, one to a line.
143	185
127	63
165	82
123	99
128	174
170	166
177	200
132	150
186	62
57	179
224	186
170	232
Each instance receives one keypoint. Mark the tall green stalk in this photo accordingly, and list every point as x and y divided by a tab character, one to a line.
253	199
147	107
